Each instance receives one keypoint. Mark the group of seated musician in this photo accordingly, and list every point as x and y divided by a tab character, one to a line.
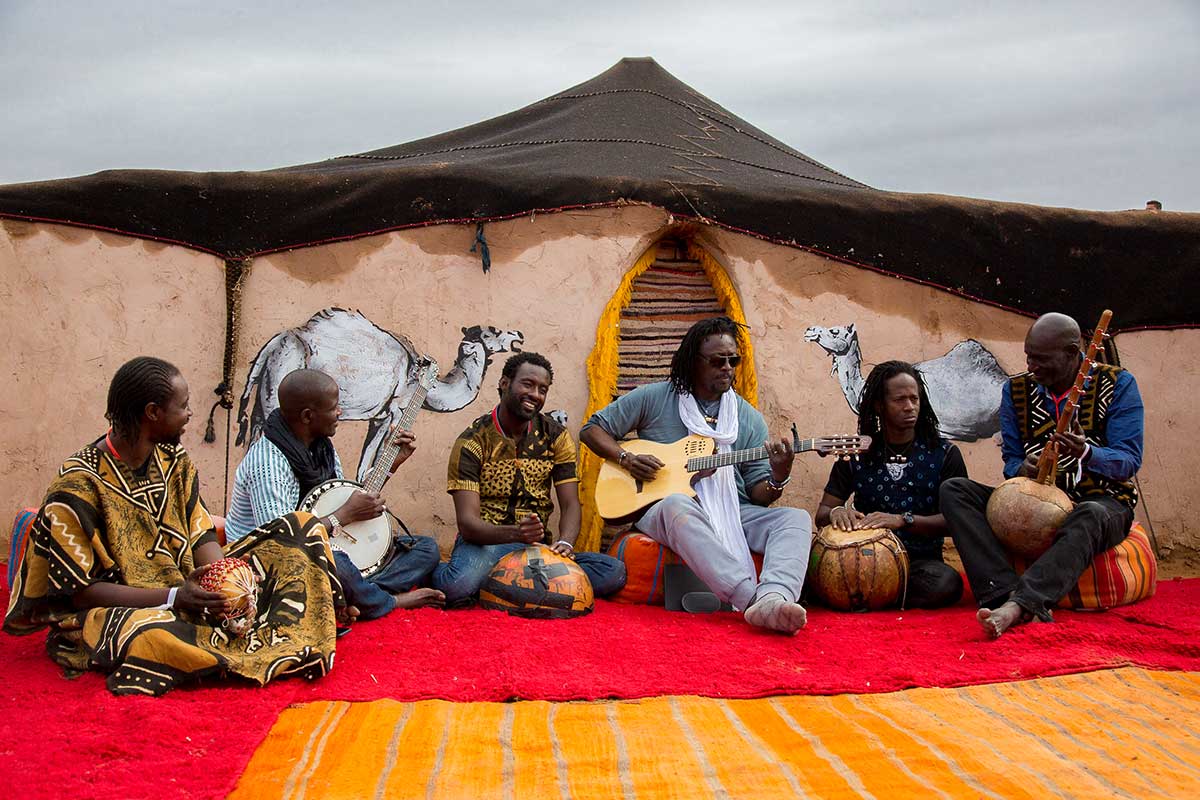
117	558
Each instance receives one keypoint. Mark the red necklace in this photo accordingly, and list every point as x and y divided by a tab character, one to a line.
112	448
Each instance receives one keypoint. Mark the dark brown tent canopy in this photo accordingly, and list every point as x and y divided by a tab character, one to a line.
637	134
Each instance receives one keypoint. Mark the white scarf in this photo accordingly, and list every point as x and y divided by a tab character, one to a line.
718	493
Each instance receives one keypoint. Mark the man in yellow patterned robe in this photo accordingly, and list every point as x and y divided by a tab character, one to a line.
114	561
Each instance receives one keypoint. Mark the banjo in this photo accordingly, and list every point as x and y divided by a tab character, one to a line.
368	543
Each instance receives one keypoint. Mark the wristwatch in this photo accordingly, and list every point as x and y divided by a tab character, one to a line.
907	517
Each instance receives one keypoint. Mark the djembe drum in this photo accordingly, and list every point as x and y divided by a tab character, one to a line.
537	582
234	578
863	570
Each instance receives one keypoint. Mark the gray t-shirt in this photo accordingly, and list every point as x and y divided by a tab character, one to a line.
652	411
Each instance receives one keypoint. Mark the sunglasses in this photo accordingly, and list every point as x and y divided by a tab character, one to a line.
718	362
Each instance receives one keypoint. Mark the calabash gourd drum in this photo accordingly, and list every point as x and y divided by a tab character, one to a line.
1025	515
537	582
863	570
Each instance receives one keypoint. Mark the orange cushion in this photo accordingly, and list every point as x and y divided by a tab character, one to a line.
644	561
1119	576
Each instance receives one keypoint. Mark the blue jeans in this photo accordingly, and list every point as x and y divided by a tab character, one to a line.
470	564
414	558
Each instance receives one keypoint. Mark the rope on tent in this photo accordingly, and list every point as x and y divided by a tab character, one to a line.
236	270
485	255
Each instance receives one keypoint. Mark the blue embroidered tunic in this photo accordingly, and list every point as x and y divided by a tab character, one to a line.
880	485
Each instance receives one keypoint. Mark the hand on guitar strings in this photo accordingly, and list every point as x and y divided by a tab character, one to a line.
360	506
407	442
643	467
530	530
781	457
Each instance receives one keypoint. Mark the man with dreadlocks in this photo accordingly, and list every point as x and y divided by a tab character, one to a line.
1099	455
716	534
115	558
895	483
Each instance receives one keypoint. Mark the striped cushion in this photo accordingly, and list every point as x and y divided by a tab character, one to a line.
1119	576
20	535
644	561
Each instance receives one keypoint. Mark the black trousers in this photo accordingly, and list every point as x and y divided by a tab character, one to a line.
933	584
1095	525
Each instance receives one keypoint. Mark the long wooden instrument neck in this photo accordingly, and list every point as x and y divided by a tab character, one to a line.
1048	461
383	462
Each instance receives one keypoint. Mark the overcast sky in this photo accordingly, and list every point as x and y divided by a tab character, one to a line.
1083	104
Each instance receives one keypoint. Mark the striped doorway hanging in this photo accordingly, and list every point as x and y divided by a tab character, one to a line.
673	285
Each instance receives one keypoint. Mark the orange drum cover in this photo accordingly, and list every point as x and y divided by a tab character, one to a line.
537	582
862	570
1025	515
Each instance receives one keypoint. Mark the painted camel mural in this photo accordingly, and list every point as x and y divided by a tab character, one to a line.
376	372
964	384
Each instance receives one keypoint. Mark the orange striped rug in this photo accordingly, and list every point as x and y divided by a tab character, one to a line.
1127	733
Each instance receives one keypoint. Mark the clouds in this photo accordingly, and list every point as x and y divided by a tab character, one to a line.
1080	104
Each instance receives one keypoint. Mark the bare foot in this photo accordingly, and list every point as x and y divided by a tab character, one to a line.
346	615
774	612
420	597
997	621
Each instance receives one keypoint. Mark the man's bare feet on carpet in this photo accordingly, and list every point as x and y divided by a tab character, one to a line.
997	621
774	612
418	598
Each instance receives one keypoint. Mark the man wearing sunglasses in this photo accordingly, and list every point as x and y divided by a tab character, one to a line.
715	532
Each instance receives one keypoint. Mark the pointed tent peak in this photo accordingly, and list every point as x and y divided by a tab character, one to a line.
635	120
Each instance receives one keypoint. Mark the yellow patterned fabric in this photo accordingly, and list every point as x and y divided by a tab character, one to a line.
101	522
1116	733
513	477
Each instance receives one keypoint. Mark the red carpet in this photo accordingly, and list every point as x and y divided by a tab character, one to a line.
71	738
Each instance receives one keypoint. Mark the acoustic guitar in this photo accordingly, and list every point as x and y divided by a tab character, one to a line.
619	495
369	542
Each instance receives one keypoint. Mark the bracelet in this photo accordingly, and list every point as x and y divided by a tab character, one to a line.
334	522
170	604
778	486
568	544
621	458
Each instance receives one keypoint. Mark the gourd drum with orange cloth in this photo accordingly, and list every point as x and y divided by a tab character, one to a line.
235	579
537	582
863	570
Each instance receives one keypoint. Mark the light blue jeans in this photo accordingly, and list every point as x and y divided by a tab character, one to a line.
470	565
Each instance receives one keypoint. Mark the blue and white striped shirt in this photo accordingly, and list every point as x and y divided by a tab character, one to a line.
264	488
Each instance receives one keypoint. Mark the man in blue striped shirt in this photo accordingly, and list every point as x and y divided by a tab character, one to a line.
295	454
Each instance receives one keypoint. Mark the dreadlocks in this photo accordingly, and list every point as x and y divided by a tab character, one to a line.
875	392
683	363
514	362
138	382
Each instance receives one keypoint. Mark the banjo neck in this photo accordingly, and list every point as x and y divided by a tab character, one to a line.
379	473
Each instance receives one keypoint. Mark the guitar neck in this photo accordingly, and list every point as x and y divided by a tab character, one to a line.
738	456
388	452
